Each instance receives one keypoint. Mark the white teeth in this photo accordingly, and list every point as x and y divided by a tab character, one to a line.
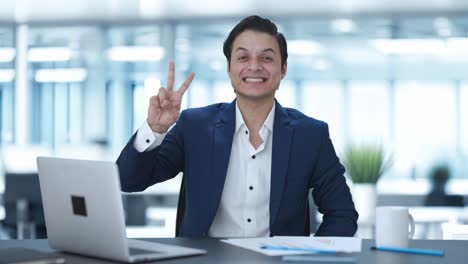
256	80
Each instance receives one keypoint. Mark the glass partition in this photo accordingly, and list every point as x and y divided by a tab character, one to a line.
369	113
7	79
325	101
425	127
463	119
65	108
137	60
399	81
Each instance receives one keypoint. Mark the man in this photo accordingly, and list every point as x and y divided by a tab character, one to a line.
248	165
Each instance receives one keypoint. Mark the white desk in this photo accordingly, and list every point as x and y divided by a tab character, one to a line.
437	214
428	220
432	218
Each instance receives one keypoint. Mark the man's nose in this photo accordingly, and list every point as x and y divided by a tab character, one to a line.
255	65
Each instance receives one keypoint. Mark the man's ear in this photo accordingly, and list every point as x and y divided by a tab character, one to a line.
284	69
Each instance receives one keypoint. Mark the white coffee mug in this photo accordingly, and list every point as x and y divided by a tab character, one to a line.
394	225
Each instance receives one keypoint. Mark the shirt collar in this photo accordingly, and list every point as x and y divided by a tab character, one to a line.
268	121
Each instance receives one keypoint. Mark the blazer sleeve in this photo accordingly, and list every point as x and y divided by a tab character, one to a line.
331	193
139	170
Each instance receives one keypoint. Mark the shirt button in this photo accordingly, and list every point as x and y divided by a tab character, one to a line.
251	188
249	220
246	132
253	156
147	141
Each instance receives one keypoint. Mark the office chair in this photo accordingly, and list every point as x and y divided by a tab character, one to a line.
22	189
180	207
23	205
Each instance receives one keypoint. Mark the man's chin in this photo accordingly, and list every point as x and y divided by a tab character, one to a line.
254	97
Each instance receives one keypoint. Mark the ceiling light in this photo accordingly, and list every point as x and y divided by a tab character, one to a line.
136	53
60	75
408	46
7	54
343	25
321	64
303	47
49	54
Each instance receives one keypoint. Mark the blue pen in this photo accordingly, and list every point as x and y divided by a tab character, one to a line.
419	251
308	250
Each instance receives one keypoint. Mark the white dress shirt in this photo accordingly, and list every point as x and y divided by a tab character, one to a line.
244	209
146	139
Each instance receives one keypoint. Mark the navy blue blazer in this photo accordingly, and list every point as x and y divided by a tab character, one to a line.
199	145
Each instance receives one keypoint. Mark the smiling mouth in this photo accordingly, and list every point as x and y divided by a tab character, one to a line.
254	80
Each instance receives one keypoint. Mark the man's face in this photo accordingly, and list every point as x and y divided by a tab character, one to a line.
255	67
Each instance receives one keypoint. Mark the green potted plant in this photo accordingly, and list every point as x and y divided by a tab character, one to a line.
365	164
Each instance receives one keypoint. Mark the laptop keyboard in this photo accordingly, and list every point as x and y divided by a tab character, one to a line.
139	251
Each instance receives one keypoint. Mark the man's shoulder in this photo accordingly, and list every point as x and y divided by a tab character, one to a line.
301	119
204	113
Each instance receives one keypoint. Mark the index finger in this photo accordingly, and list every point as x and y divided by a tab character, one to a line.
186	83
170	76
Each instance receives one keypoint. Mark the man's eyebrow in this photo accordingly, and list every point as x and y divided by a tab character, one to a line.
241	48
265	50
269	49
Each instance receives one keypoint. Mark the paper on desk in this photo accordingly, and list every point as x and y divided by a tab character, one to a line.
341	244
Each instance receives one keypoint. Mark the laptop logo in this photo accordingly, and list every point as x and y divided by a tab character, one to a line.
79	205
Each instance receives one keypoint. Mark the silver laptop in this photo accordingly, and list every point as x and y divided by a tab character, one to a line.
84	212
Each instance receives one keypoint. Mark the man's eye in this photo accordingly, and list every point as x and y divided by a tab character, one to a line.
242	58
267	58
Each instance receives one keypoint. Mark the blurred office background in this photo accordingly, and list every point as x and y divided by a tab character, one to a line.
76	76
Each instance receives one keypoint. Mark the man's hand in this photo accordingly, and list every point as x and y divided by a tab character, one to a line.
164	108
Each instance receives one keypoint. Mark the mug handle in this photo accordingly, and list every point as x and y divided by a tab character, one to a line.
411	222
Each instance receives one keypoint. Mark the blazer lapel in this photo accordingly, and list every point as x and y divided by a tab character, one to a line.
282	138
222	143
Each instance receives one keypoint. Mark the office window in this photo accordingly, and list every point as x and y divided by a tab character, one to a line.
223	92
286	94
58	114
369	117
464	122
76	113
199	48
325	101
424	125
200	94
137	58
7	79
61	114
65	65
6	113
140	106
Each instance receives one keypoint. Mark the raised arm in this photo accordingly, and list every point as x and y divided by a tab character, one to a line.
140	167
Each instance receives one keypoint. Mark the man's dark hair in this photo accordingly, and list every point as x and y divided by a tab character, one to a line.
258	24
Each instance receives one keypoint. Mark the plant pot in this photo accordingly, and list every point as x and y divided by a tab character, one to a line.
365	200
